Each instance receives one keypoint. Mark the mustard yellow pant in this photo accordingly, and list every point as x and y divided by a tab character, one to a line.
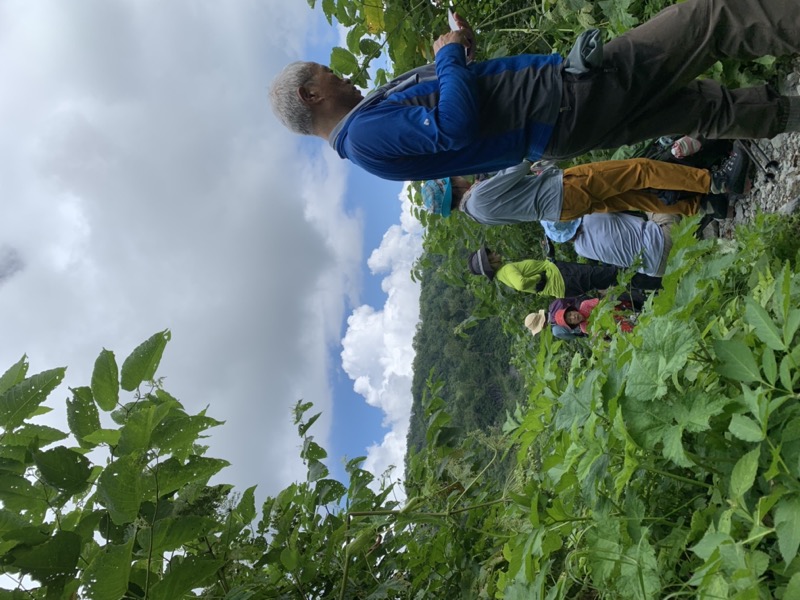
618	185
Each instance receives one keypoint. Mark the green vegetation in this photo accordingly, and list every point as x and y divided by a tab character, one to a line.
660	464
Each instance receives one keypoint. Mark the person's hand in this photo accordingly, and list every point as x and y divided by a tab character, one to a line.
451	37
465	27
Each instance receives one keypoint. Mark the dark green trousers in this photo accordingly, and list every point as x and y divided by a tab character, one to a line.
648	87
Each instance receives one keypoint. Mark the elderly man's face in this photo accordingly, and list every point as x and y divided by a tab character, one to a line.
328	85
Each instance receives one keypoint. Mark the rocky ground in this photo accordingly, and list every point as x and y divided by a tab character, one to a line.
779	194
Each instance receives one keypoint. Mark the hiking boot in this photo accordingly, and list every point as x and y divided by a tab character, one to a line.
731	176
716	206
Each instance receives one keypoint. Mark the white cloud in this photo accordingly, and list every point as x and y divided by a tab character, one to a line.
147	185
377	348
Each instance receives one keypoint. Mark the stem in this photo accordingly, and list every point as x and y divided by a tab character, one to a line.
506	16
471	483
154	471
679	478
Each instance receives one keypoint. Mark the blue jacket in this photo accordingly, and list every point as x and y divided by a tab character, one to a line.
452	119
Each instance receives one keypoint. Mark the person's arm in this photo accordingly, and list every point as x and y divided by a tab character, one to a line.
563	333
524	276
392	129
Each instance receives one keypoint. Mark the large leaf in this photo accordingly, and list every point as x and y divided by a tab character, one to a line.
343	61
64	469
105	380
82	415
14	374
374	16
787	526
22	400
106	577
577	401
744	473
171	533
736	361
135	434
173	474
178	432
184	574
119	489
746	429
143	362
17	493
57	558
765	328
33	436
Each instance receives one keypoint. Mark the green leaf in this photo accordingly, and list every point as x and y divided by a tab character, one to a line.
343	61
790	326
787	526
135	434
178	432
374	17
369	47
30	435
787	373
769	366
644	382
247	505
173	474
184	574
290	558
119	489
711	541
82	415
330	490
744	473
107	575
312	450
577	401
9	521
105	380
54	559
14	374
793	589
328	9
21	401
765	328
64	469
736	361
18	494
673	447
103	436
745	428
170	534
143	362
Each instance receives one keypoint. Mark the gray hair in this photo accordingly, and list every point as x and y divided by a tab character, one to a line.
286	103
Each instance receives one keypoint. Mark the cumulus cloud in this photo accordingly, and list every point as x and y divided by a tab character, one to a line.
377	347
147	185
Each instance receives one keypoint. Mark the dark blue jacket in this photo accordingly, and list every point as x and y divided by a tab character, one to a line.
452	119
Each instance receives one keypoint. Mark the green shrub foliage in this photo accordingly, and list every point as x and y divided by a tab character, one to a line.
660	464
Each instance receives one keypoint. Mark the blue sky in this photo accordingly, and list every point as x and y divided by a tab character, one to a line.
148	186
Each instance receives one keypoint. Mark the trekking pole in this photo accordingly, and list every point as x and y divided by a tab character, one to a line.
770	164
745	144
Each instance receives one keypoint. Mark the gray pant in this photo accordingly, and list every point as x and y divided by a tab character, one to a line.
665	223
648	88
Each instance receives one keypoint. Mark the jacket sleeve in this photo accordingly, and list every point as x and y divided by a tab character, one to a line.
395	130
523	276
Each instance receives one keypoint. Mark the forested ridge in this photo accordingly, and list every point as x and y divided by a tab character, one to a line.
479	382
